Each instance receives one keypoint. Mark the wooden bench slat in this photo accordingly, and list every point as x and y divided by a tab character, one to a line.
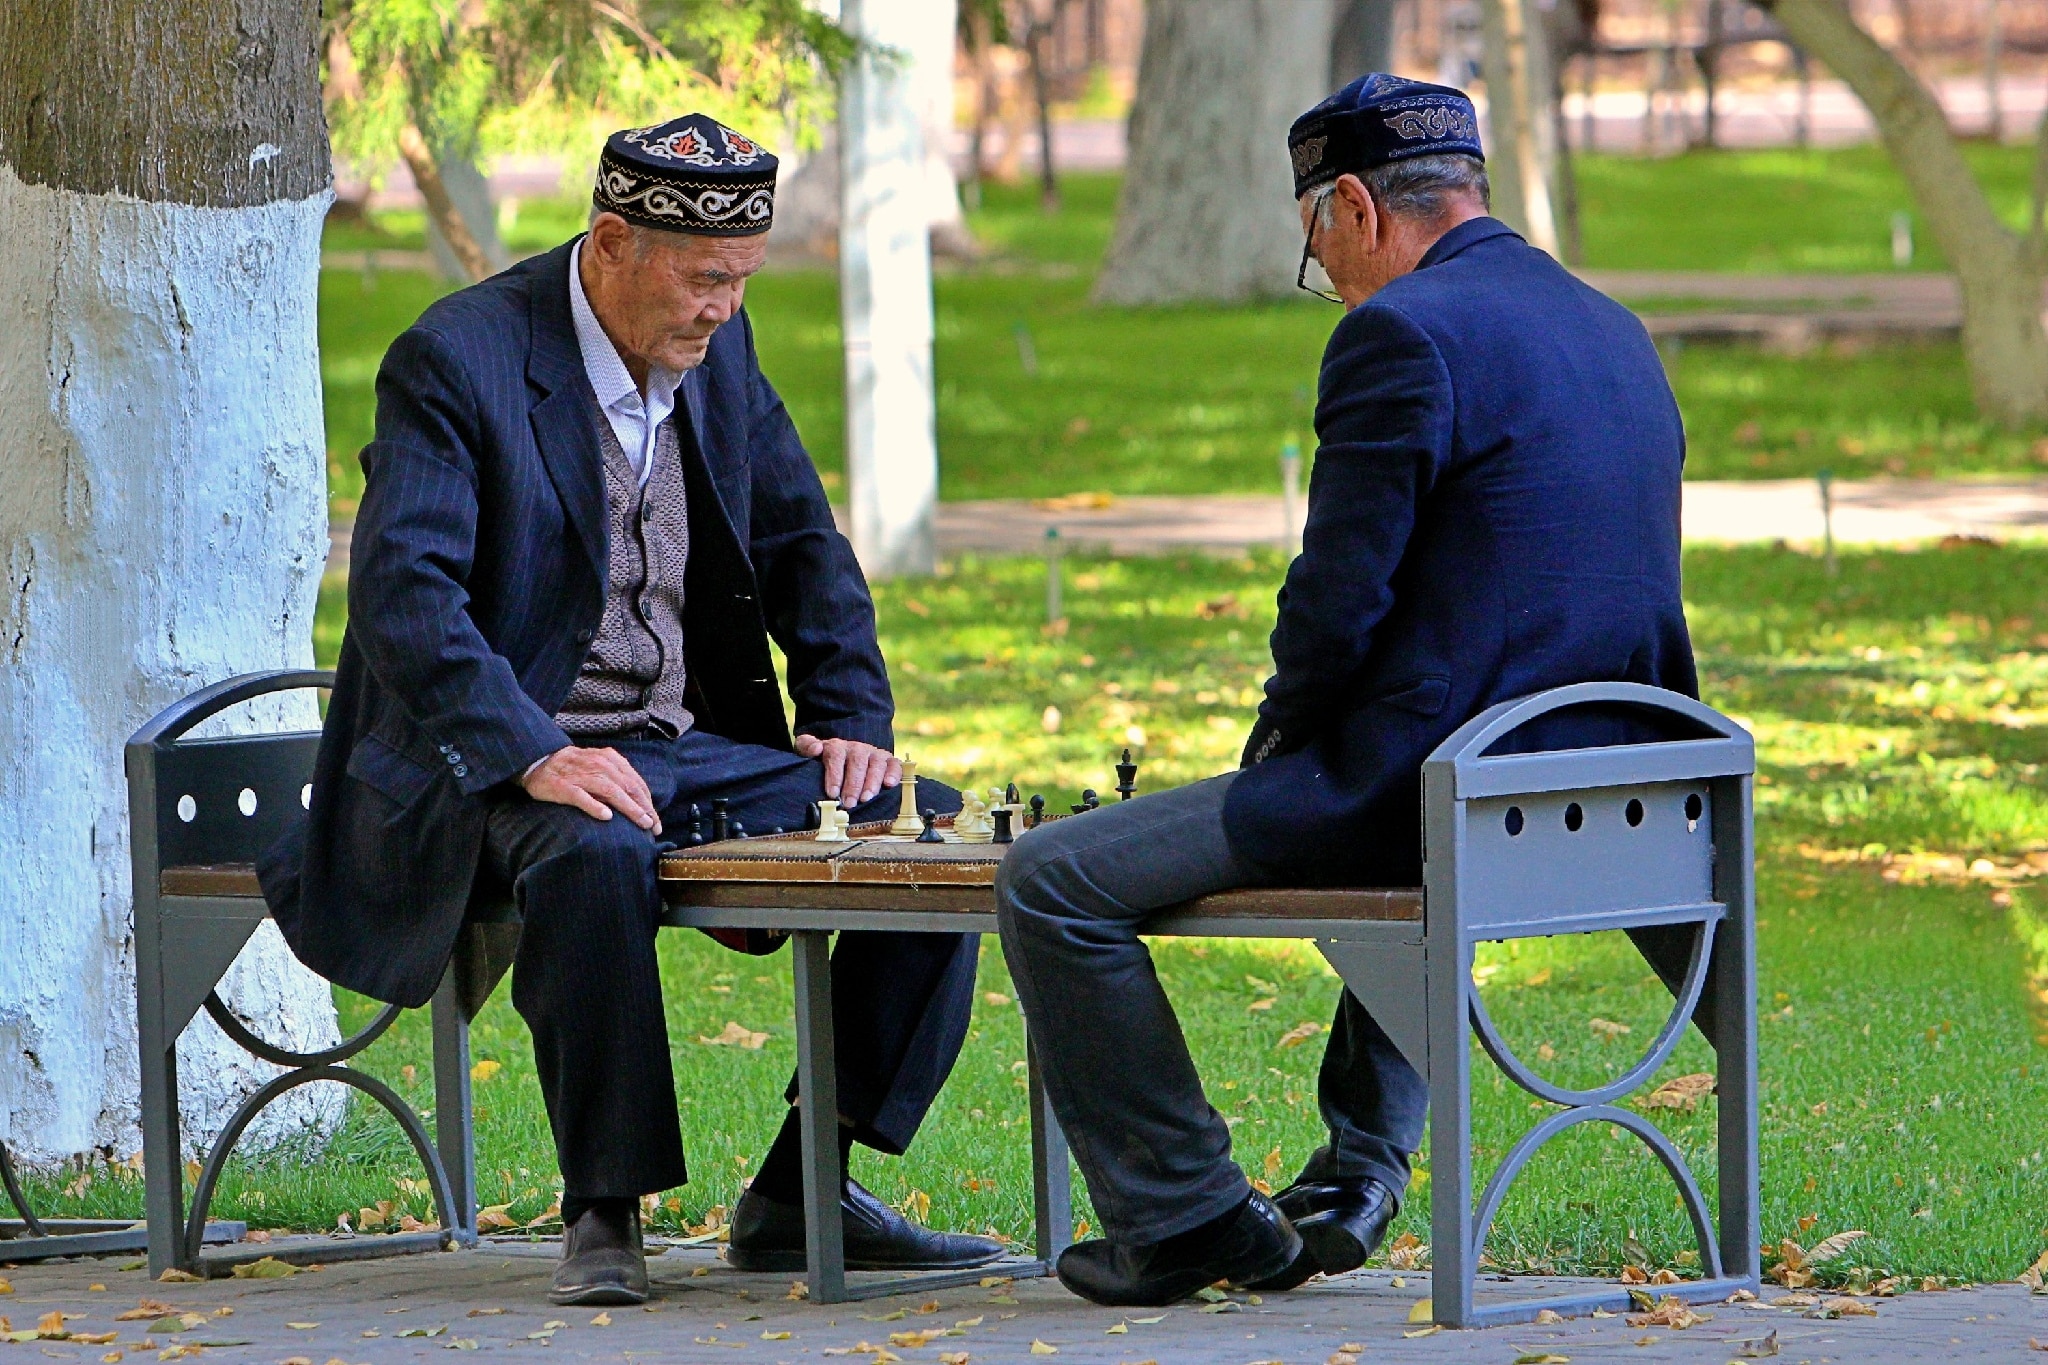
946	886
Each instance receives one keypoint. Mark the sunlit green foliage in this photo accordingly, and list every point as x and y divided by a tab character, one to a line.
490	76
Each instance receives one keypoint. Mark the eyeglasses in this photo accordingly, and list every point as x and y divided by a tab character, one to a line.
1308	246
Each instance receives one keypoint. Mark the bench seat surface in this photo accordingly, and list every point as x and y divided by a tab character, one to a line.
876	874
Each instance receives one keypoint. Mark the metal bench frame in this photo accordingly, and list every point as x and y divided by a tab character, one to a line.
1623	837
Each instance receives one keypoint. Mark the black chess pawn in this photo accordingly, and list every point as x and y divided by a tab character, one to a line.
931	833
736	830
1089	801
774	830
1001	816
721	822
693	832
1037	815
1126	778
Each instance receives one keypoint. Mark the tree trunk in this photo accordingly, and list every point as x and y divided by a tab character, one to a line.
442	213
1521	159
1207	210
163	177
469	192
2000	277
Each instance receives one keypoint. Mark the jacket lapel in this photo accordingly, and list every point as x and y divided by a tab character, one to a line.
564	414
695	397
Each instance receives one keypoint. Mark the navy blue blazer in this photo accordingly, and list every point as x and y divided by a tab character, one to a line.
1493	511
477	580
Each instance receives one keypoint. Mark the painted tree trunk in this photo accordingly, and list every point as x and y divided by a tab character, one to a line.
1207	210
2000	278
1521	157
163	176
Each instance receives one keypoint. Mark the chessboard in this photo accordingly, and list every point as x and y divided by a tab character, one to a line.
870	855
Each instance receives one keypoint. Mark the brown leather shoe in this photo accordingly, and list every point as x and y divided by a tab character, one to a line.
603	1261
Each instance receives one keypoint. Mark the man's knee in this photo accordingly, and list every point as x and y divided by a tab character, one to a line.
607	861
1026	878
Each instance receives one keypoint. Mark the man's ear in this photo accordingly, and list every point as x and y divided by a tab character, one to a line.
611	237
1355	200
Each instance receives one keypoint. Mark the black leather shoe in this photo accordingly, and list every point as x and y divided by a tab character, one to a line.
769	1235
1251	1243
1341	1222
603	1261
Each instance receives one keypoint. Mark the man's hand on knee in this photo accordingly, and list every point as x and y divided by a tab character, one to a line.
596	782
859	770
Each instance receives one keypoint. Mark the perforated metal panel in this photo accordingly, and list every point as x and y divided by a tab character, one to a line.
226	800
1579	852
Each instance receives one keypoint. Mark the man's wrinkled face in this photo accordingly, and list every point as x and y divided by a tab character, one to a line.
660	295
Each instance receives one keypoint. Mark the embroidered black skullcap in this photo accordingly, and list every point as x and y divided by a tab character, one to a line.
691	174
1379	119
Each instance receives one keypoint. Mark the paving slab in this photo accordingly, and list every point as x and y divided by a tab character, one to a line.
416	1308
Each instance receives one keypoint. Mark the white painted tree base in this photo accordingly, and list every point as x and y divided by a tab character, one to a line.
163	524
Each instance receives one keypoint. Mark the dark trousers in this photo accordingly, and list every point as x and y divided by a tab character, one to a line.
1070	898
586	983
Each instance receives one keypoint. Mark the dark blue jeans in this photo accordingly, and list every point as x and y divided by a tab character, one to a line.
1070	898
585	979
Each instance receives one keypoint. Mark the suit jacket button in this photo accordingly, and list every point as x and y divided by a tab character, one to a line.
461	771
582	637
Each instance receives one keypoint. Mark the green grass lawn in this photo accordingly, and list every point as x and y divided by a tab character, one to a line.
1201	399
1899	710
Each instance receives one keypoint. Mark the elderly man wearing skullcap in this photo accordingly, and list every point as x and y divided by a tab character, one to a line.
586	516
1493	512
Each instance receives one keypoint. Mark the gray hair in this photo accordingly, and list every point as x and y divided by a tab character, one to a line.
1420	187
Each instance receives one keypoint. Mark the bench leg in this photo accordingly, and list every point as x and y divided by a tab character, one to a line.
1450	1133
1052	1179
163	1167
1735	1060
817	1083
454	1115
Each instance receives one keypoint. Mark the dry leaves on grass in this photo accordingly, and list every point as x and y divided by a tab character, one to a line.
1682	1093
1607	1030
736	1034
2033	1276
1670	1311
492	1217
1408	1252
1300	1033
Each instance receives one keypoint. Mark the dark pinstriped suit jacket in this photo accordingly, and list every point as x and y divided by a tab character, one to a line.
477	582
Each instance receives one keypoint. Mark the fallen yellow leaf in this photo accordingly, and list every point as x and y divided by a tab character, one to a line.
1681	1093
1039	1348
485	1069
1423	1311
736	1034
775	1336
601	1320
1299	1034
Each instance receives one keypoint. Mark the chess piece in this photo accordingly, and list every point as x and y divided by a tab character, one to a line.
1037	816
931	833
721	822
906	814
1126	778
1002	826
1011	796
693	832
972	824
831	823
736	830
1089	801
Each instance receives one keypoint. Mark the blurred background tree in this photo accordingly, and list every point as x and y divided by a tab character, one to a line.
439	86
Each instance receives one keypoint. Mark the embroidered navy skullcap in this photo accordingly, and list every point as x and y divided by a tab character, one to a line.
691	174
1375	120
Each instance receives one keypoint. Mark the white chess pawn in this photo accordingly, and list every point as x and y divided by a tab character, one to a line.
832	823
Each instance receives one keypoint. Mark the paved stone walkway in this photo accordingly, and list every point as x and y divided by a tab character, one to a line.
416	1308
1875	512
